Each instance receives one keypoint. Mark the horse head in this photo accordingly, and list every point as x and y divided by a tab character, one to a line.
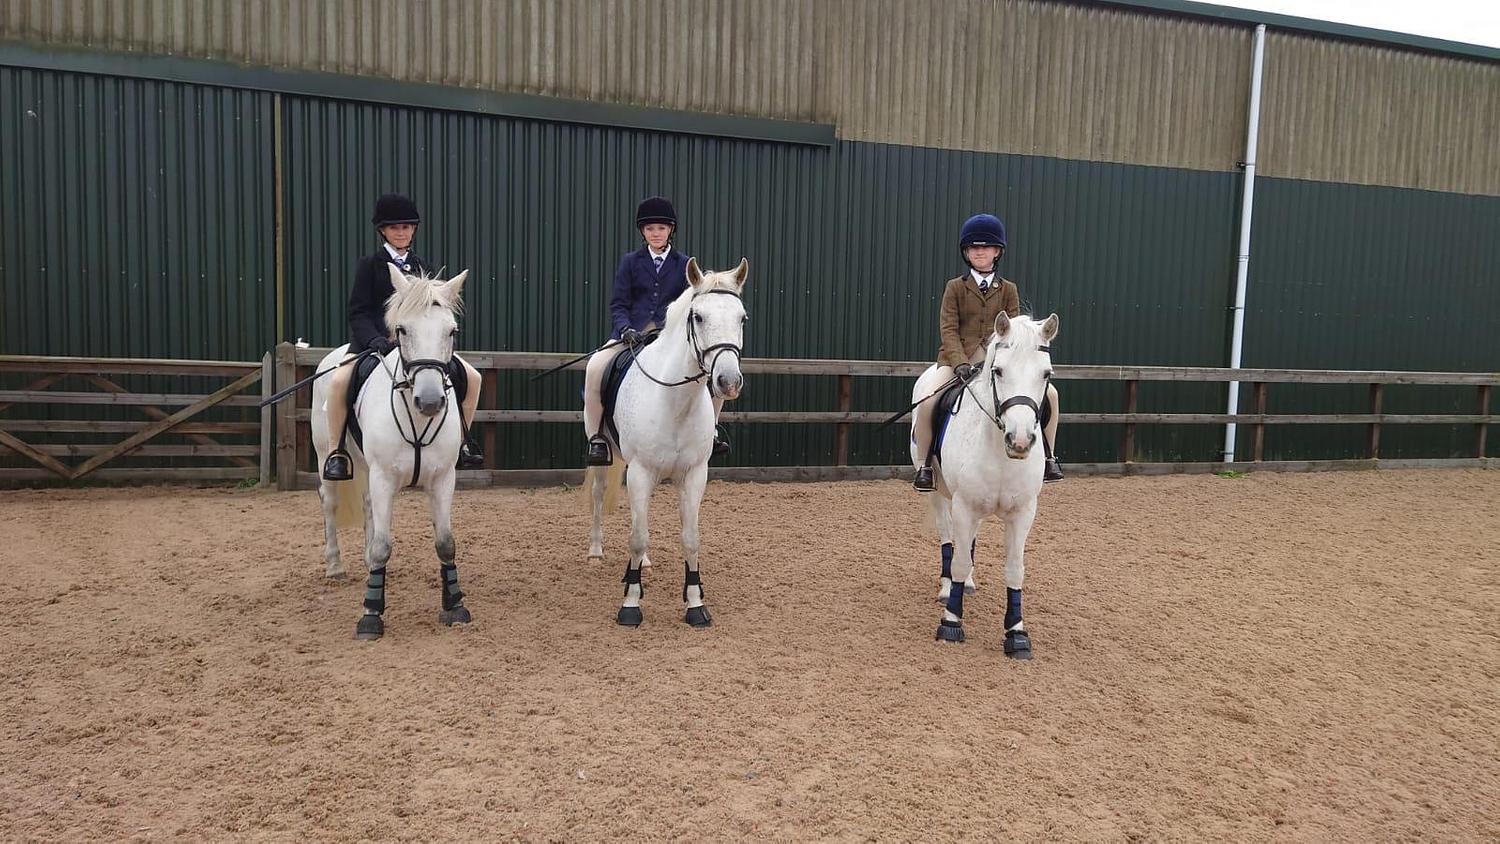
423	316
1020	366
716	325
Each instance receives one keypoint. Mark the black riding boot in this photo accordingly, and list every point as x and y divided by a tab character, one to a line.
923	482
1050	470
338	466
598	451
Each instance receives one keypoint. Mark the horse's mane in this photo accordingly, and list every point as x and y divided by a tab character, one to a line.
1023	327
425	292
678	310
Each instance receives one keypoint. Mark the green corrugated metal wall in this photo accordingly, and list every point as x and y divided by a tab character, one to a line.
136	199
138	217
1362	277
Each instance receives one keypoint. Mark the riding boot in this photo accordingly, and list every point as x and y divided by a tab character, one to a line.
598	451
470	455
923	482
338	466
1050	470
721	442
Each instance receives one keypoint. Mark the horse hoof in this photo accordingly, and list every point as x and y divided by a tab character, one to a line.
970	588
1017	645
596	558
457	615
629	617
369	629
337	576
698	617
950	631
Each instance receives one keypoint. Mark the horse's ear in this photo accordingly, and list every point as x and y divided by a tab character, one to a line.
1002	324
453	289
1049	329
694	273
742	272
398	278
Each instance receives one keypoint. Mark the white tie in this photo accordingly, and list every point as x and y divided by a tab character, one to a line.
659	259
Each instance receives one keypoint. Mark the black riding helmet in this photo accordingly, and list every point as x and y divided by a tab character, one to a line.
395	208
655	209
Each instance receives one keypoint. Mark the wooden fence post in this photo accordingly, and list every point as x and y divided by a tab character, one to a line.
489	397
286	418
1377	396
841	432
1127	443
267	423
1481	429
1260	424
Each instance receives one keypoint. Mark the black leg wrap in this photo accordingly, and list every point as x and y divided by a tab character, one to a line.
375	591
948	560
956	602
452	595
1012	608
691	578
633	575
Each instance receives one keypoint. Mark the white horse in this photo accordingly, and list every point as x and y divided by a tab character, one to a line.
665	417
406	410
989	465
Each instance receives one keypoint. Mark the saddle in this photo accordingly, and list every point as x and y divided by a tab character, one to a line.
609	391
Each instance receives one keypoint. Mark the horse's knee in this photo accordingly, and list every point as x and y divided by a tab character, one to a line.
447	548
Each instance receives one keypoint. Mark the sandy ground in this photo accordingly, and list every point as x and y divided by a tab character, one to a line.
1270	657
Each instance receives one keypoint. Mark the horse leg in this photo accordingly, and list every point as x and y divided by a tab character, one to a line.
639	483
441	498
598	480
688	501
941	508
334	564
965	522
1018	525
377	553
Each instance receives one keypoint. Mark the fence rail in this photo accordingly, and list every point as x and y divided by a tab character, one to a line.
284	451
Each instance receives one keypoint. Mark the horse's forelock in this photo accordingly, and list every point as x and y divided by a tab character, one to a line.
424	293
677	311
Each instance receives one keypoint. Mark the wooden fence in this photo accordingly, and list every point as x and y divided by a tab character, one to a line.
244	448
293	438
52	382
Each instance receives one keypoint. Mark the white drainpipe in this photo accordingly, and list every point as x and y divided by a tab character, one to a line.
1242	274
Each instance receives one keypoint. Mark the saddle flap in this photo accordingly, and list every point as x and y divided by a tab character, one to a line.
944	407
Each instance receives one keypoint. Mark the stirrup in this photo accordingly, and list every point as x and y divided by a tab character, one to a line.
598	453
924	482
469	455
338	466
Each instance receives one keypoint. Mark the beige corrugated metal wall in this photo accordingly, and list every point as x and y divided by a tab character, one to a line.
1018	76
1344	112
993	75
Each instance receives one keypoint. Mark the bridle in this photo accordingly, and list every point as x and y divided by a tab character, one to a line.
705	367
1017	400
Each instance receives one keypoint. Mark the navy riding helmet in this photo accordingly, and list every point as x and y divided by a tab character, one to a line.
395	208
982	230
655	209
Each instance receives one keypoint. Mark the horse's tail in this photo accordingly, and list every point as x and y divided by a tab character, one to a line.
610	476
350	512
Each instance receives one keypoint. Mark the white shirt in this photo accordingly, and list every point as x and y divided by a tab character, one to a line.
984	281
659	256
399	256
